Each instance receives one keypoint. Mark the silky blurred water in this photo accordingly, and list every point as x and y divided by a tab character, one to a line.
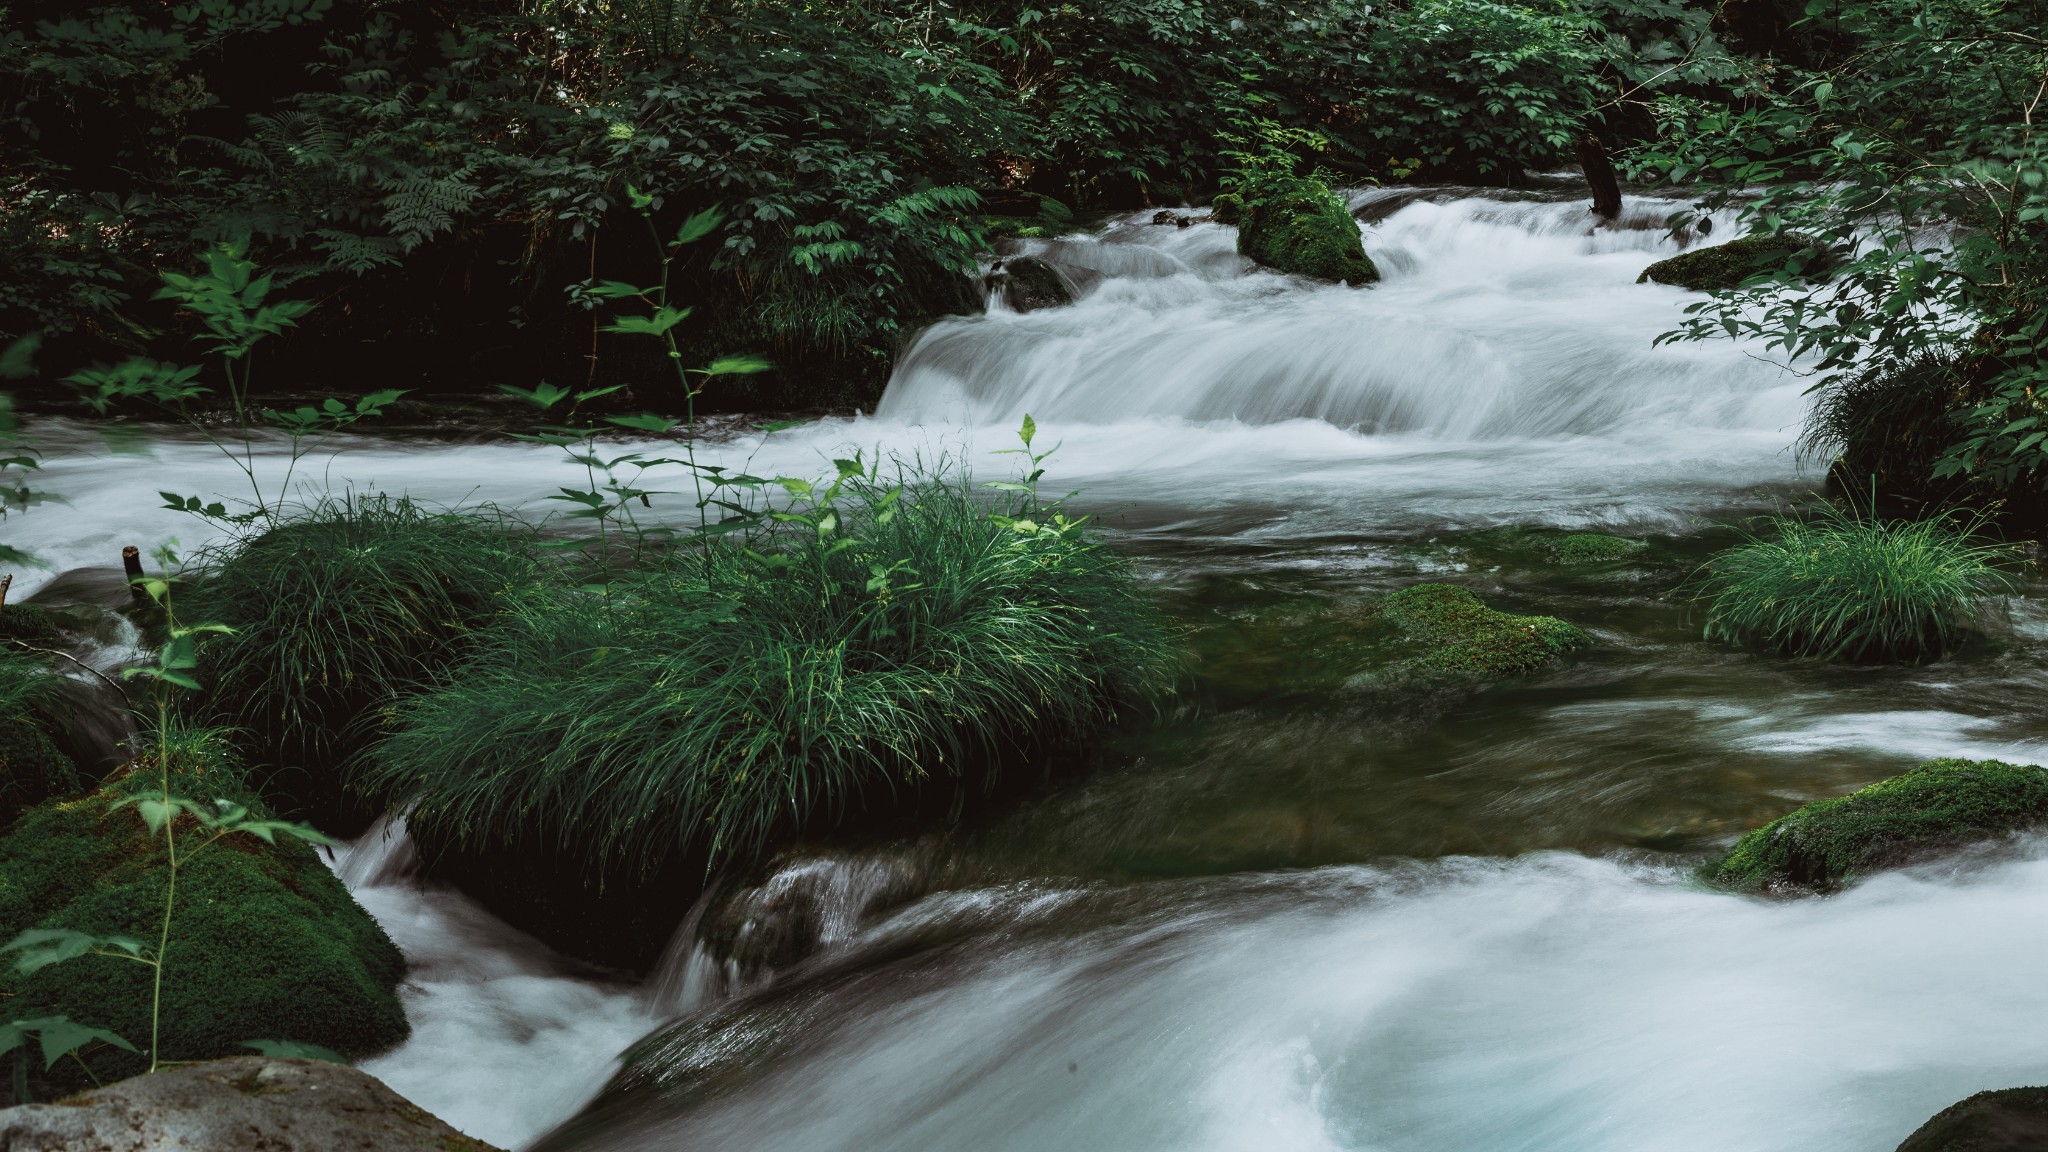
1295	914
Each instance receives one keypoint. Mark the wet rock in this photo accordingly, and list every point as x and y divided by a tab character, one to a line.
1726	266
1300	226
2007	1120
1028	284
244	1104
1936	808
1460	634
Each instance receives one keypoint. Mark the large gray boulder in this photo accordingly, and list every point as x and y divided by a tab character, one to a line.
242	1104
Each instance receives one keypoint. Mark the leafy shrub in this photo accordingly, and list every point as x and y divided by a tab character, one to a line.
1840	585
1464	635
1940	805
1294	224
858	650
336	611
267	943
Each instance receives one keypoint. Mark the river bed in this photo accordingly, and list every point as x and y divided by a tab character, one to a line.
1295	912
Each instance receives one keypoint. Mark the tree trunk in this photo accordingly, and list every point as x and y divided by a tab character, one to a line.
1593	160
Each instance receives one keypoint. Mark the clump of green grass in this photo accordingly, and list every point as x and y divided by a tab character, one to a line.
1464	635
730	694
1593	548
335	611
1943	804
1841	585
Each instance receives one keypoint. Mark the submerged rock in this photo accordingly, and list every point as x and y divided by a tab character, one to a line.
1940	806
1463	635
1297	225
2007	1120
266	943
1028	284
1593	548
1725	266
244	1104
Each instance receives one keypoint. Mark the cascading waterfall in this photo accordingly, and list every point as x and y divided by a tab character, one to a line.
1504	372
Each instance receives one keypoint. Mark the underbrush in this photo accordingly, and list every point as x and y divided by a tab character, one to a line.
335	611
1839	584
32	767
854	648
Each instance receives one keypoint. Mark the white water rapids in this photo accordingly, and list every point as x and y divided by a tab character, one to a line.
1503	373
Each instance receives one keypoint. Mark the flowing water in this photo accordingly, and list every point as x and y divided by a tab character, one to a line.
1303	910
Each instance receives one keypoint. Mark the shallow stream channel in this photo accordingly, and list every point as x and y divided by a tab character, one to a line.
1302	908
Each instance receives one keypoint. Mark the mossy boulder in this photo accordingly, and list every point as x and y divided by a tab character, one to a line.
1725	266
1028	284
266	943
29	625
32	768
1593	548
1460	634
1940	806
2006	1120
1297	225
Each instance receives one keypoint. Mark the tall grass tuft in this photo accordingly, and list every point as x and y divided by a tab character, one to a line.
1841	584
335	611
732	693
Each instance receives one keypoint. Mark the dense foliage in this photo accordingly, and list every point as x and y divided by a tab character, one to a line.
1844	584
447	181
880	639
1900	134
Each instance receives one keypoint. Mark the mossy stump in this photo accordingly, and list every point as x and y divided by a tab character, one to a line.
266	943
1725	266
2006	1120
1940	806
1463	635
1300	226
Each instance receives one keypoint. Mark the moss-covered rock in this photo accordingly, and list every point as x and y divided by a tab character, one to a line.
30	625
1296	225
1227	208
1593	548
1725	266
1937	807
266	943
2007	1120
32	768
1463	635
1028	284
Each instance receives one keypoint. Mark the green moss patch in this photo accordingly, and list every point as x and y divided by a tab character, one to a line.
1463	635
1939	806
1593	548
1300	226
266	942
2007	1120
1725	266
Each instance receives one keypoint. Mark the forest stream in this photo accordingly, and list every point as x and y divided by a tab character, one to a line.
1298	910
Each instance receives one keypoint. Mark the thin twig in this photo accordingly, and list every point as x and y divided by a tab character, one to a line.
28	647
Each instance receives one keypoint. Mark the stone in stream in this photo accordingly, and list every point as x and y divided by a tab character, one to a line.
1938	807
242	1104
1726	266
1300	226
1593	548
1462	635
1028	284
2006	1120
